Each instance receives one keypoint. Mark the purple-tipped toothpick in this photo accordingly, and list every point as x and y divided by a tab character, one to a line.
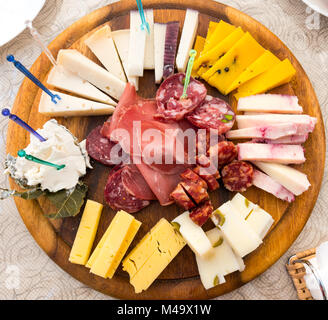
28	74
5	112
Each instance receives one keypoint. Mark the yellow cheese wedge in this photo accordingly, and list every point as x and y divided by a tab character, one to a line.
86	233
276	76
222	30
199	45
233	63
152	255
262	64
211	27
209	58
123	229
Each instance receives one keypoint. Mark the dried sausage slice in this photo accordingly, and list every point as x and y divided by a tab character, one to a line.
237	176
195	191
213	113
169	104
118	198
211	180
222	153
201	214
181	198
193	177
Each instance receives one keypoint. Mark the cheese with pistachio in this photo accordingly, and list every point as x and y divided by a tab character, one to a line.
220	261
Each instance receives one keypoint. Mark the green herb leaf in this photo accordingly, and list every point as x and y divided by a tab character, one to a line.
68	202
27	195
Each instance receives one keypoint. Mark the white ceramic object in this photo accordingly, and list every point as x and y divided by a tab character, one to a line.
14	14
318	5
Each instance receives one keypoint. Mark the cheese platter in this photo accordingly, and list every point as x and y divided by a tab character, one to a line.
279	181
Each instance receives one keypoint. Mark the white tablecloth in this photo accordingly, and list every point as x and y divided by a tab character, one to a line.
26	272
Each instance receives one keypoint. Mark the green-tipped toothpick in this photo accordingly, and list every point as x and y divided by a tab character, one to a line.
21	153
192	55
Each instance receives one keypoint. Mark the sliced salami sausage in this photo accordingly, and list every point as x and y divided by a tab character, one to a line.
237	176
170	106
99	148
206	139
195	191
213	113
204	162
222	153
193	177
135	183
201	214
118	198
181	198
211	180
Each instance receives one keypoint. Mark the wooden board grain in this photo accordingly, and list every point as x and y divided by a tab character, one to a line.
180	280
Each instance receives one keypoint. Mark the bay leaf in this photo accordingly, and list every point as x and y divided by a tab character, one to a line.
68	202
27	195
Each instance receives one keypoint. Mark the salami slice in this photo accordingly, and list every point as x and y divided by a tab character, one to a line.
201	214
135	183
222	153
205	140
210	179
99	148
170	106
213	113
118	198
181	198
195	191
193	177
204	162
237	176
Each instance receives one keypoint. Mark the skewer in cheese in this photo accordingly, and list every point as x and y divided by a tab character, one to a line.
187	38
88	70
114	244
193	234
236	231
149	60
159	47
86	233
70	106
257	218
137	46
152	255
66	80
220	261
121	40
102	45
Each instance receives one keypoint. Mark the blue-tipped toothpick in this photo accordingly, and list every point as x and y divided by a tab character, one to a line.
5	112
28	74
35	34
144	23
192	55
21	153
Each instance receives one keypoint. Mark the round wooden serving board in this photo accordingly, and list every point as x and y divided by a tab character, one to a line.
180	279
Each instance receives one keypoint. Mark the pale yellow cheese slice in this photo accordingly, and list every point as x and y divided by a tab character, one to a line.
86	233
123	229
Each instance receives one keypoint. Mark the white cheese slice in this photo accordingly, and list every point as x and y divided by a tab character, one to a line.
237	232
149	60
292	179
121	39
242	205
220	261
70	106
257	218
102	45
88	70
159	48
66	80
187	39
137	46
260	221
193	234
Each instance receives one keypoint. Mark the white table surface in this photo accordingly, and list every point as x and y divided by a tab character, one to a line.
26	272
